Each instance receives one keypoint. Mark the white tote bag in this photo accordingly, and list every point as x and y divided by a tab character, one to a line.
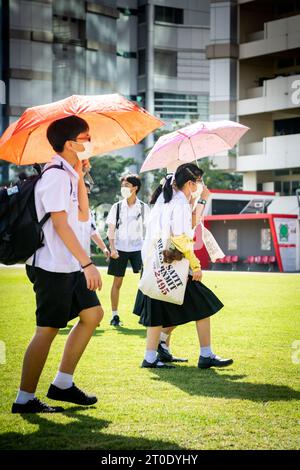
163	281
211	245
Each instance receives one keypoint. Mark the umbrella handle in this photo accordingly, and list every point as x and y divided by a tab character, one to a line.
89	177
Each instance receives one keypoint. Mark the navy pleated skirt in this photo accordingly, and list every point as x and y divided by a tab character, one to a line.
199	302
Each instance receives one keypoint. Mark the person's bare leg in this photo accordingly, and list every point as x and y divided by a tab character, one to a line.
207	358
115	293
168	331
79	338
203	331
35	357
153	337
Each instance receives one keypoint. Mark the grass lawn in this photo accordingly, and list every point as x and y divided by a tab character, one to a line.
254	404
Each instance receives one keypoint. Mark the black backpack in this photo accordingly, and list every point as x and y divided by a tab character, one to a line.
21	233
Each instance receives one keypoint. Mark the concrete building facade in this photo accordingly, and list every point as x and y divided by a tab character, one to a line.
255	48
151	51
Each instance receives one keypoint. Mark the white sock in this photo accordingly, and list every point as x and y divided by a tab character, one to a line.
63	380
207	352
150	356
114	313
164	337
24	397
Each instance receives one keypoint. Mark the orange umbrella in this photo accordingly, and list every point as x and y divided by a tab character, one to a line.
114	123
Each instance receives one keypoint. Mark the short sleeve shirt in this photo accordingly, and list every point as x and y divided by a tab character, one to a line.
56	191
129	235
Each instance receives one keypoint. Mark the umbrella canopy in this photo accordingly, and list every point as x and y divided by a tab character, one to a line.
190	143
114	123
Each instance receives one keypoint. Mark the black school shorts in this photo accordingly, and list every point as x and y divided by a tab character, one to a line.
117	267
60	297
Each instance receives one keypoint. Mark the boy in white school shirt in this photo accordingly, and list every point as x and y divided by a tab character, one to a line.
63	276
126	221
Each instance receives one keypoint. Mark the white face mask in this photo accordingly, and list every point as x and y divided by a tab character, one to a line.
125	192
87	152
198	192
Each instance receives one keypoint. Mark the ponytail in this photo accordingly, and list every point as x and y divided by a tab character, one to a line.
165	187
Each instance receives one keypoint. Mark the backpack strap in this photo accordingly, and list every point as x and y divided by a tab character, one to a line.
58	167
143	217
118	214
47	216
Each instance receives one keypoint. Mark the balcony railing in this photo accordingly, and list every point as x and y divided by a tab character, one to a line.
271	153
275	94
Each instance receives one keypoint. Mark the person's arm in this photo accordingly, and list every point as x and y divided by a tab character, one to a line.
197	213
66	233
111	238
83	200
182	237
100	243
111	232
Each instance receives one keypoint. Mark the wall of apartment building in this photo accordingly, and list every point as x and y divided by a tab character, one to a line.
30	55
180	65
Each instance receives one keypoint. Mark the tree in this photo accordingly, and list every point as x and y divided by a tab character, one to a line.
106	172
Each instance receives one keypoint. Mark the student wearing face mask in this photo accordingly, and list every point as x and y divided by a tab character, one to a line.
64	278
174	212
126	225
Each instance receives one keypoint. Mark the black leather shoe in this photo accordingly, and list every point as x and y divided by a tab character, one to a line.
72	395
207	362
35	406
155	365
115	321
164	355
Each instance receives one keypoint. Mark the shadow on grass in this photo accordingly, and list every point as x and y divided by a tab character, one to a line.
131	331
66	331
217	384
84	432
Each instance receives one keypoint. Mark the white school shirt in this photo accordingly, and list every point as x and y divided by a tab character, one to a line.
129	235
172	218
57	190
86	231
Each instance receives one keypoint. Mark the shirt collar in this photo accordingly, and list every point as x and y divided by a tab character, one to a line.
182	196
58	159
136	204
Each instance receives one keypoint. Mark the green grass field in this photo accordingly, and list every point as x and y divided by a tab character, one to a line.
254	404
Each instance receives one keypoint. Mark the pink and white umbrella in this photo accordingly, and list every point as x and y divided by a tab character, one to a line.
190	143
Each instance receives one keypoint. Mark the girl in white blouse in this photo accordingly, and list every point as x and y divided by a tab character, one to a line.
173	207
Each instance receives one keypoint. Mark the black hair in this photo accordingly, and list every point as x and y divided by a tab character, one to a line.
65	129
132	179
184	173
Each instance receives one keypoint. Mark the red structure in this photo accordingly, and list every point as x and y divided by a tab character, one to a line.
250	241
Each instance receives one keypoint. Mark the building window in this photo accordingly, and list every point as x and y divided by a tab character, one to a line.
128	11
232	239
127	55
170	106
295	186
165	63
168	15
141	62
68	30
142	14
265	239
287	126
